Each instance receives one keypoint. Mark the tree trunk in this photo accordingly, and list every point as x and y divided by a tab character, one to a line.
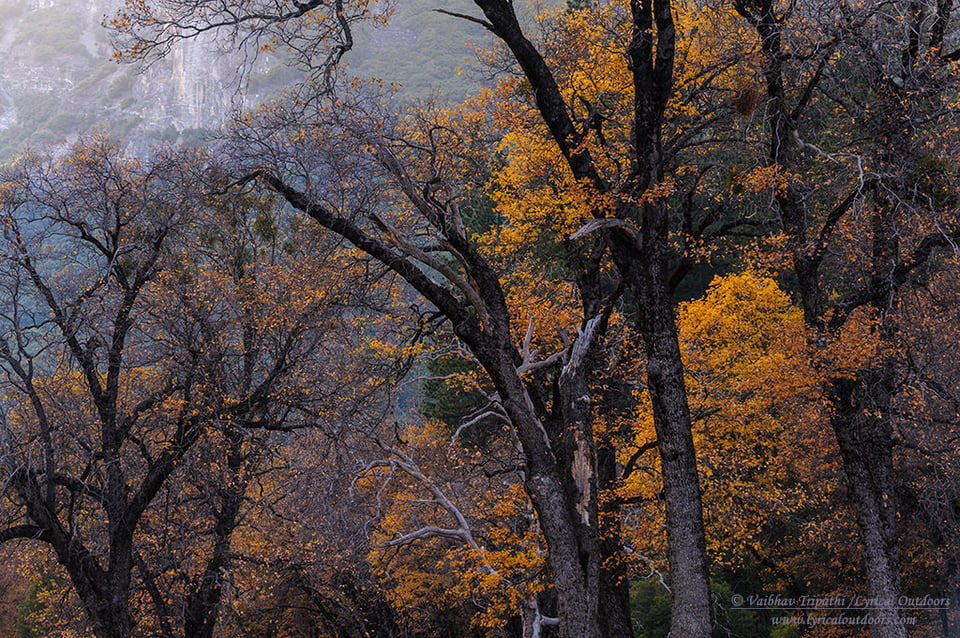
568	556
113	621
649	273
861	405
103	594
203	603
686	546
614	587
106	607
865	439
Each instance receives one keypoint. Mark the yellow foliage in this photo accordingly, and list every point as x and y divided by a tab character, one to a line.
499	569
754	393
767	178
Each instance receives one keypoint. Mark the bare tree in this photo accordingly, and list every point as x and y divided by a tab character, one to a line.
879	213
558	443
146	340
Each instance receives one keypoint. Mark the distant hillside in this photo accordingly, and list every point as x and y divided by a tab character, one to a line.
422	50
57	78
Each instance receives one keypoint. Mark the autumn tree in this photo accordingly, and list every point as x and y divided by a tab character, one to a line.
859	122
68	325
149	333
624	191
261	310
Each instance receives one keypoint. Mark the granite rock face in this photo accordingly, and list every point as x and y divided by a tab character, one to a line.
57	78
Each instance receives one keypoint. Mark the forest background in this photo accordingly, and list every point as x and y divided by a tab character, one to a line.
641	320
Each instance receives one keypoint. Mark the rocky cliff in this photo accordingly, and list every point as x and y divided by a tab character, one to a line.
57	78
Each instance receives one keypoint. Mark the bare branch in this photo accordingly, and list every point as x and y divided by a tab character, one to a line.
463	16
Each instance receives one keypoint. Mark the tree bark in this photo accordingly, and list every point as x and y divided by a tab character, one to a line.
686	544
572	555
859	406
614	583
864	437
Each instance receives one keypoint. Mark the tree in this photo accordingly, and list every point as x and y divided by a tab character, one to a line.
624	151
631	226
880	209
68	326
143	348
